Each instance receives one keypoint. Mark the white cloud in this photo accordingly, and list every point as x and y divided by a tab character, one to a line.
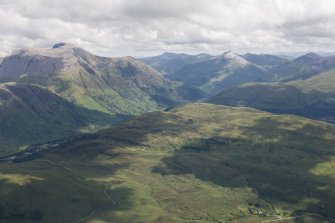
142	27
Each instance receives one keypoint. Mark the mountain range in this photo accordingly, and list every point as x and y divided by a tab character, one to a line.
109	89
301	86
214	74
171	138
112	85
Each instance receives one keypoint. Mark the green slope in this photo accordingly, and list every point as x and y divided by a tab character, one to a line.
30	114
195	163
312	97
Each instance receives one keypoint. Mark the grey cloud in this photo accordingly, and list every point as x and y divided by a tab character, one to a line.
143	27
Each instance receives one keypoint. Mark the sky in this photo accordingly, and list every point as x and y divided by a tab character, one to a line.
150	27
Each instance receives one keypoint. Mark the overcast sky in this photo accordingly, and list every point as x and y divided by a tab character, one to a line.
149	27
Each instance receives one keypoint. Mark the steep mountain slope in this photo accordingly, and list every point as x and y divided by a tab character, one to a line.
302	67
219	73
265	60
112	85
313	97
30	114
168	63
198	162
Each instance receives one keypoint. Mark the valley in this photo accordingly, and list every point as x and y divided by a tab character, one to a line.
34	151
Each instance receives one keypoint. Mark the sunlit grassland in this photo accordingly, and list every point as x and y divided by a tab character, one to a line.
195	163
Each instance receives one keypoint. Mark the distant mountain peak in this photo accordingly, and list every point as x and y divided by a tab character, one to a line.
312	54
233	56
168	53
64	45
309	56
229	54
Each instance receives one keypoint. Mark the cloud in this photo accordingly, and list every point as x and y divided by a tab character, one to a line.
146	27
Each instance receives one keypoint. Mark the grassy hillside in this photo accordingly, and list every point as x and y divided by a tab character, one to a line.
30	114
195	163
313	97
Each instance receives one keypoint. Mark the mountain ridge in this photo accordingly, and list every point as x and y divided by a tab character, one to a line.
112	85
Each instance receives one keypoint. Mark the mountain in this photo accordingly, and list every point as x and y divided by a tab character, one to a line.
313	97
264	60
111	85
302	67
197	162
31	114
219	73
169	62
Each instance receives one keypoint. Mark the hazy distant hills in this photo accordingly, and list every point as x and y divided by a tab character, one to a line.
313	97
302	67
301	86
265	60
168	63
213	74
219	73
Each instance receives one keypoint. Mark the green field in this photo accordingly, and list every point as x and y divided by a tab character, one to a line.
194	163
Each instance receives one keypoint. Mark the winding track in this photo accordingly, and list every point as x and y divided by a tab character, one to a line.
105	192
84	218
290	218
93	212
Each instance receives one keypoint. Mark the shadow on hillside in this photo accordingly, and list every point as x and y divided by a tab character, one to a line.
71	175
278	169
64	192
38	116
273	159
101	118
